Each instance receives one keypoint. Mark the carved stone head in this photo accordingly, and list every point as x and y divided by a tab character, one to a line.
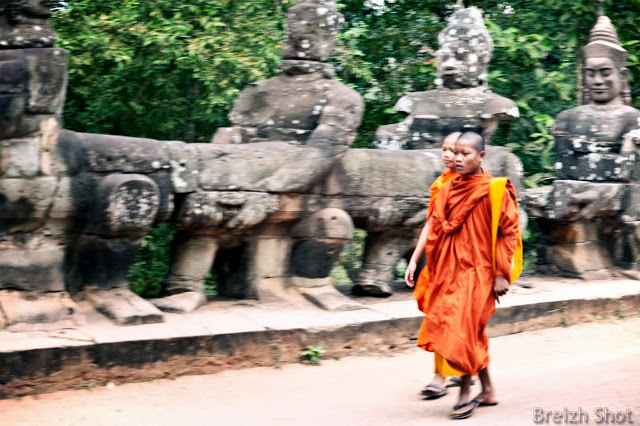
465	50
312	27
25	24
606	80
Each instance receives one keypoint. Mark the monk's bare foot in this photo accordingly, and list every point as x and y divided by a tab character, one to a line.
486	399
438	380
435	388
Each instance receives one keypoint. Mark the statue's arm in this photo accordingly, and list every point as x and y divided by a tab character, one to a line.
339	120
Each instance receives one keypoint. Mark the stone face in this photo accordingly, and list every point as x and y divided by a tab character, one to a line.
32	89
589	215
311	29
462	101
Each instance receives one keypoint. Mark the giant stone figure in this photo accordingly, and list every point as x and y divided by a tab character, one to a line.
462	101
589	217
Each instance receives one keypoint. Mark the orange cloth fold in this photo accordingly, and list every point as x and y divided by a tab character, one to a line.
420	292
460	301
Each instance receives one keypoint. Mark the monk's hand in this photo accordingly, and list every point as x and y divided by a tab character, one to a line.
500	287
408	274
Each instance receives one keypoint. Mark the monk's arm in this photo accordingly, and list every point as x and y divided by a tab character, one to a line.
508	232
413	263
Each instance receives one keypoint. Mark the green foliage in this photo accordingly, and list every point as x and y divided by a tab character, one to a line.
312	355
164	69
172	70
152	263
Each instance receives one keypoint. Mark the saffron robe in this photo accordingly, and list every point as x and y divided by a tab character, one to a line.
420	291
460	269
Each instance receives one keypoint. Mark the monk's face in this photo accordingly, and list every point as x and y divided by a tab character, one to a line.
468	159
448	154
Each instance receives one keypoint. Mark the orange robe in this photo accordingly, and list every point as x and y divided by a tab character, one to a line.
420	291
459	263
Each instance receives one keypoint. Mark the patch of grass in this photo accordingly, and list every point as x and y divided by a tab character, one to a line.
312	355
565	322
620	314
277	354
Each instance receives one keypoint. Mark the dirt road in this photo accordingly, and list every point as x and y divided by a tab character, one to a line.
579	367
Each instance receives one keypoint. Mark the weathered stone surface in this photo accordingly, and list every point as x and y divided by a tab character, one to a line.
166	203
374	173
225	210
26	24
125	205
381	254
31	307
24	203
462	101
105	153
271	256
185	166
574	200
315	259
328	298
312	27
33	85
20	158
181	303
99	262
586	260
123	306
192	258
33	269
330	223
266	166
51	160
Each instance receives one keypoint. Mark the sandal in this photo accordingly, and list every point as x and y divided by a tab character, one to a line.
455	382
474	403
430	394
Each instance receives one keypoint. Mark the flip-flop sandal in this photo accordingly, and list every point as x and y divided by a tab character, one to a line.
488	403
429	394
474	403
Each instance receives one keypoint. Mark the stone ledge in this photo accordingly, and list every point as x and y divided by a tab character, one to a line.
231	335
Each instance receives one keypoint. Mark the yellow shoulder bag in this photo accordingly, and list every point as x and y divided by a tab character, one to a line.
496	194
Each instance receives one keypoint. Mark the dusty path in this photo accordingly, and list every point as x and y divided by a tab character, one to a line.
584	366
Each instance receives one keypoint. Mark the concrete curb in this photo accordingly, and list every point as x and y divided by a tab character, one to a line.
85	363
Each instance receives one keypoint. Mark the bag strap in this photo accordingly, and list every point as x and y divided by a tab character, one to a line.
497	187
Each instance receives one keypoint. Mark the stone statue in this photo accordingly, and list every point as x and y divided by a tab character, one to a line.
61	228
287	133
25	23
590	215
462	100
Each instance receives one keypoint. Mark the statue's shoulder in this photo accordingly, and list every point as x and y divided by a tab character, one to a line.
499	105
408	102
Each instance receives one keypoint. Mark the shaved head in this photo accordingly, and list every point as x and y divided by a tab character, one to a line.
452	137
473	139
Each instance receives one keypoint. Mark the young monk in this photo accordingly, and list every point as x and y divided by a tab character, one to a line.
436	387
463	288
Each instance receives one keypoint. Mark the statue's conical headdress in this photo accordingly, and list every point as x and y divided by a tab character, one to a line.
468	24
604	43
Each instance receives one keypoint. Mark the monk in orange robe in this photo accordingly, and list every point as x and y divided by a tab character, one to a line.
435	388
463	287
